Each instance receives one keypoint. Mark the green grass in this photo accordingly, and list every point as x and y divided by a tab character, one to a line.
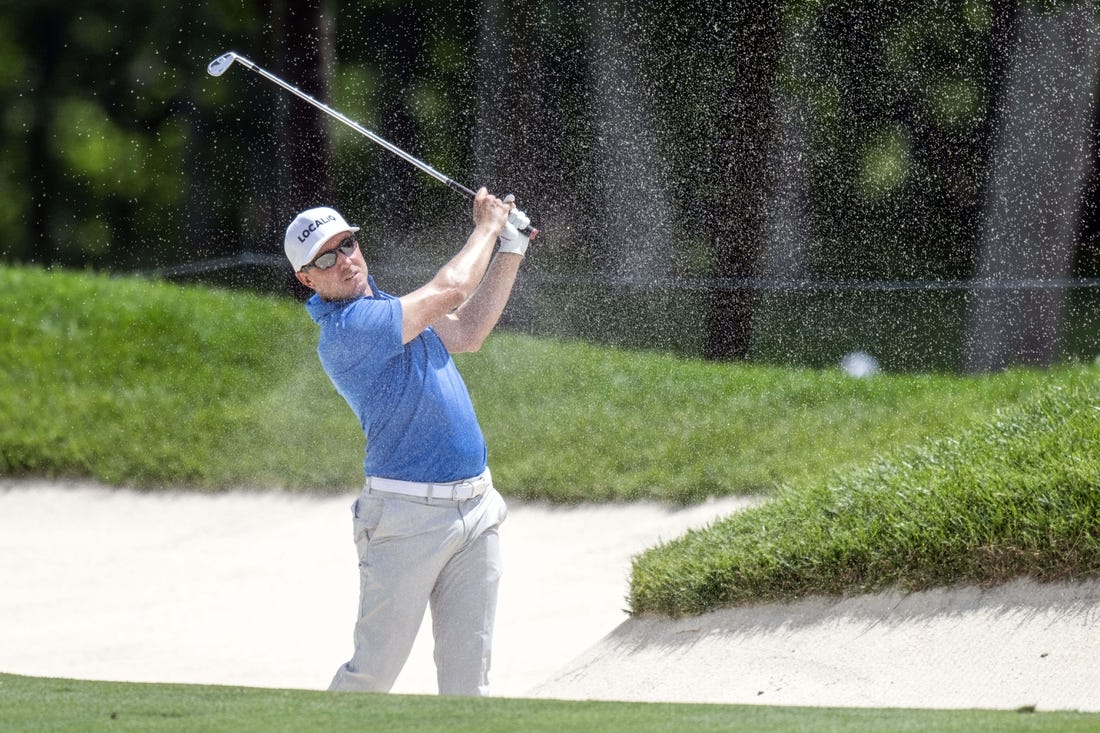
35	704
151	385
576	421
146	384
1016	496
903	480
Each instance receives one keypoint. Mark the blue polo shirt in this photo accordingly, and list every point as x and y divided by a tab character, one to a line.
410	399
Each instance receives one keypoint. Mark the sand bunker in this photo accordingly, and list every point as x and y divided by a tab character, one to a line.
1022	644
259	589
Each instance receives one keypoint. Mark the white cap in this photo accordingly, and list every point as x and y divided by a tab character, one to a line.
308	232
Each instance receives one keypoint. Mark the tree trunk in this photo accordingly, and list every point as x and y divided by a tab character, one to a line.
299	169
508	110
303	178
47	33
632	219
514	141
743	91
396	205
1034	197
785	252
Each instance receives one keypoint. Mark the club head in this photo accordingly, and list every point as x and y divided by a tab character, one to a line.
218	66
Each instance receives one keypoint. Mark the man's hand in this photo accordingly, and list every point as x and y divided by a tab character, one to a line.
489	211
511	240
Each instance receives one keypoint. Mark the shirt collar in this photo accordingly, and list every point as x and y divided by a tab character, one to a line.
319	308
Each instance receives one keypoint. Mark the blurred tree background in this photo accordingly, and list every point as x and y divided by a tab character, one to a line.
780	181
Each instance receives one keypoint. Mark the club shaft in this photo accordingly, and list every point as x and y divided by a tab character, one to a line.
451	183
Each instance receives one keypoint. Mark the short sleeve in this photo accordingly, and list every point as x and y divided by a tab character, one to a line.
368	331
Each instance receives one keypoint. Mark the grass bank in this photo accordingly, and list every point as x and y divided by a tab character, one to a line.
35	704
1016	495
152	385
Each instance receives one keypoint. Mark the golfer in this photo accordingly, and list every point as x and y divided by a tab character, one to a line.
425	524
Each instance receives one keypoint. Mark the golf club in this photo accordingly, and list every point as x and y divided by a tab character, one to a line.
221	64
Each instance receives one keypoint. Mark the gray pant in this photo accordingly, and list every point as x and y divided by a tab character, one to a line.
416	551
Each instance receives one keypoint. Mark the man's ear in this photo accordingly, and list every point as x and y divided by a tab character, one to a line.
304	279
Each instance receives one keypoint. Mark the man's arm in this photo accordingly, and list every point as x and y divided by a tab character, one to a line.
457	280
466	328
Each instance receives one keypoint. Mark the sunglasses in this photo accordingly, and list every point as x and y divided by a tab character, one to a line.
328	259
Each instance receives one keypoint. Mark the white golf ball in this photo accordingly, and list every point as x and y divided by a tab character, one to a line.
859	364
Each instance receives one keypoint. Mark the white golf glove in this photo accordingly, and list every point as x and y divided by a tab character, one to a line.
511	240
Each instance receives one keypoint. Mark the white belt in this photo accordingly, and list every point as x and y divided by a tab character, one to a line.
455	491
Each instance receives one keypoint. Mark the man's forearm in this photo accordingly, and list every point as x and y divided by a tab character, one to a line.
468	267
481	312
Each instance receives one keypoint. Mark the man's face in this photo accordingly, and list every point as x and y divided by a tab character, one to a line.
344	280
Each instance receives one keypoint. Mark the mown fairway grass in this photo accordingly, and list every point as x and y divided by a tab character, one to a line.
34	704
152	385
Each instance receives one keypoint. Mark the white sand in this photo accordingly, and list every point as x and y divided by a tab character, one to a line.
260	590
1016	645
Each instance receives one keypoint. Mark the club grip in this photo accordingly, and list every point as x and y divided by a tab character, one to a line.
528	231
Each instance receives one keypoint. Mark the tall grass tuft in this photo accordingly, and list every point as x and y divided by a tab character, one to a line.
1016	496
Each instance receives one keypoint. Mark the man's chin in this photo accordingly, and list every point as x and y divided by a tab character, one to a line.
353	289
358	282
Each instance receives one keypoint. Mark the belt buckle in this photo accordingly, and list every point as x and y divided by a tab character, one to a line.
462	484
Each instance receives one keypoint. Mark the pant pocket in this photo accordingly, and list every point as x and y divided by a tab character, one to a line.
366	517
502	507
